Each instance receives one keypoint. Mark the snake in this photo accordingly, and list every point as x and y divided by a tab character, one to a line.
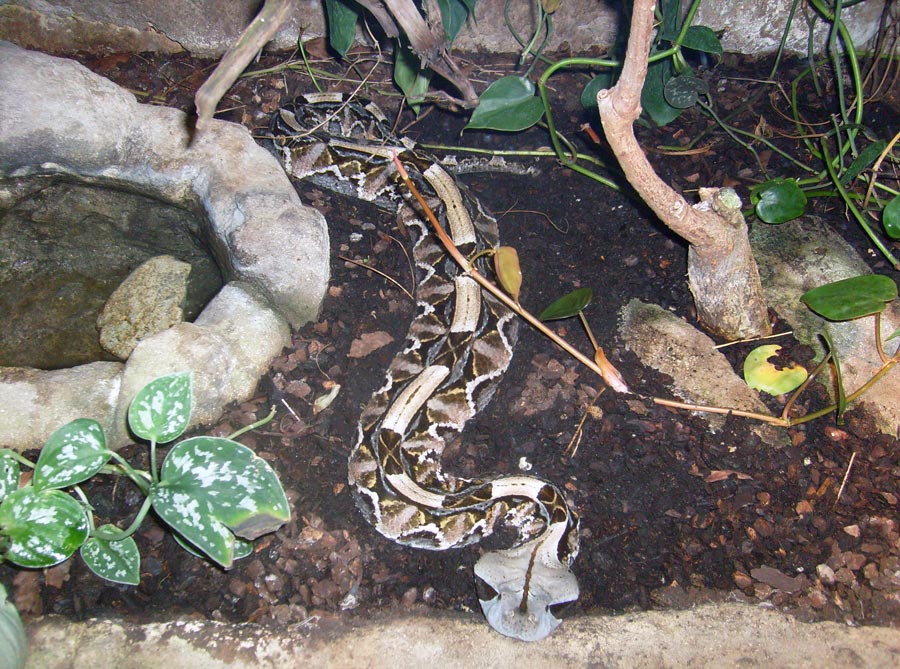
459	344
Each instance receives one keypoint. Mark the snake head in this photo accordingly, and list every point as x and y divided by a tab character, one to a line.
521	589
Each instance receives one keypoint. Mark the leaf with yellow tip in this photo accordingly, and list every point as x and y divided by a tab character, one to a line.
509	274
762	375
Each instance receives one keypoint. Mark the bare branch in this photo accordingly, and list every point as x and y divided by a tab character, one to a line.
261	30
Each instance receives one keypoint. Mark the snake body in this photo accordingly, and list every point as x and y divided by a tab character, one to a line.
459	344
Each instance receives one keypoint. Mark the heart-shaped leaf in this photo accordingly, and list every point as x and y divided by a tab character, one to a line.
508	104
851	298
778	201
72	454
161	410
118	561
762	375
211	489
41	527
702	38
683	90
653	96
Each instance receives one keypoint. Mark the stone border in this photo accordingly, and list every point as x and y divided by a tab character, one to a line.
719	635
58	118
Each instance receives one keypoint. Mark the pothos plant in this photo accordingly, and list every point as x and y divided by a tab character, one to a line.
214	494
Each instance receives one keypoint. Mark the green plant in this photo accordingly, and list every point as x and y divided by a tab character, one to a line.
12	635
215	494
844	300
849	156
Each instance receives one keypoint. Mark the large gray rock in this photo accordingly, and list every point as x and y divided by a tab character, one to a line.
701	375
58	118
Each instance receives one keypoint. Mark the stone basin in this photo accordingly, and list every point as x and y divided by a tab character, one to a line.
60	121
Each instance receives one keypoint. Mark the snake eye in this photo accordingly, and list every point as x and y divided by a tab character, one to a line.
562	609
484	591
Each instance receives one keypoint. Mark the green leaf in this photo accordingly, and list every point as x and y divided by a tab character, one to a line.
508	104
683	91
453	15
778	201
242	547
409	76
702	38
890	218
342	17
653	97
72	454
851	298
41	527
762	375
9	473
211	487
118	561
568	305
598	83
671	18
865	159
161	410
12	634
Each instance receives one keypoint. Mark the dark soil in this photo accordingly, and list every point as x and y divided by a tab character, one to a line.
672	513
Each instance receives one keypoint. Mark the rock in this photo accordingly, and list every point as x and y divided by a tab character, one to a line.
700	373
226	350
58	119
209	27
785	278
150	300
34	403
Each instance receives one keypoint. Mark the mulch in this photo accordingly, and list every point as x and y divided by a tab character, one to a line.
673	514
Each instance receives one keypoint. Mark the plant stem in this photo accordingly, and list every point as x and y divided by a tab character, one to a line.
253	426
18	457
139	477
108	535
857	214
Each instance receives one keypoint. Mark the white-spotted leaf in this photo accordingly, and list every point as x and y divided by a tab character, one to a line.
211	489
13	639
242	547
762	375
161	410
9	474
41	527
72	454
117	561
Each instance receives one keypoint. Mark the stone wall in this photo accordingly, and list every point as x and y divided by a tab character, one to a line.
208	27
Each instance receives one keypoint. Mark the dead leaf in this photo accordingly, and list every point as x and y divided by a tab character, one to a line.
368	342
722	474
777	579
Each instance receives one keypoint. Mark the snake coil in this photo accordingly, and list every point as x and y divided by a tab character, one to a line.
458	346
